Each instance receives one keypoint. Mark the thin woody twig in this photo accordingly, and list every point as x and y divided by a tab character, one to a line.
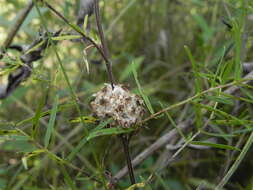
103	42
86	37
71	25
125	142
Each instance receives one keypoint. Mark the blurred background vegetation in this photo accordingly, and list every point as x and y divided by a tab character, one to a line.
180	48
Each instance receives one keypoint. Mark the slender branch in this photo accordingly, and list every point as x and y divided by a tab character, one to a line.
86	37
233	86
125	143
81	33
103	42
100	30
13	31
163	140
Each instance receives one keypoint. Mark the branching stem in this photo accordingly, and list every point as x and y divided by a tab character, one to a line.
104	44
104	53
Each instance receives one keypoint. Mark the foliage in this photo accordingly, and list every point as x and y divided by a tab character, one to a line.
186	59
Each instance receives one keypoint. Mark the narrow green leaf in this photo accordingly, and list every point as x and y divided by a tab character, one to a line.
86	119
51	123
45	113
128	69
247	93
8	70
77	28
66	37
197	82
221	113
226	71
9	132
84	140
102	124
195	68
31	154
67	178
145	98
85	23
220	99
24	162
38	115
76	149
232	122
136	186
86	61
173	122
237	162
214	145
35	47
237	32
218	70
56	158
108	131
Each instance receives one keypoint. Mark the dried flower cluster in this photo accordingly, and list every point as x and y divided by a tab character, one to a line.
124	107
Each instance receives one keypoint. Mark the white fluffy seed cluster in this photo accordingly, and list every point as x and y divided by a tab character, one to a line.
124	107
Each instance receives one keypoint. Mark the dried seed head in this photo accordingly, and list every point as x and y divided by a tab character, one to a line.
124	107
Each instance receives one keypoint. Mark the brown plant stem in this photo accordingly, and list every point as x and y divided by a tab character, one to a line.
125	142
100	50
103	42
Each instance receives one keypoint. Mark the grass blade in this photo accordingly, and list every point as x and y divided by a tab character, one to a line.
51	123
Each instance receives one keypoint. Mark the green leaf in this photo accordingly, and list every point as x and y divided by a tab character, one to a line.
37	116
7	71
84	140
85	23
197	85
35	47
145	98
108	131
220	99
51	123
128	69
86	61
237	35
207	31
219	112
9	132
76	149
85	119
232	122
226	71
136	186
195	68
66	37
45	113
67	178
103	124
214	145
31	154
